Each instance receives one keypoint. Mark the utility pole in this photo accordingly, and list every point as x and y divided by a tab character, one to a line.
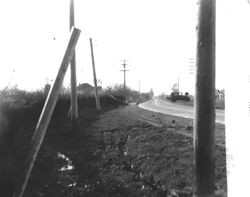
74	104
178	85
98	106
124	71
46	114
204	122
139	86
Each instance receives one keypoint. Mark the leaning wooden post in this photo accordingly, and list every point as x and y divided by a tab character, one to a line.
74	105
97	99
46	114
204	123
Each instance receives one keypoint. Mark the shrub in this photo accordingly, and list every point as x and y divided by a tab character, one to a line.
129	94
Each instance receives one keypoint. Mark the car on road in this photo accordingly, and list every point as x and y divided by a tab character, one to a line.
178	96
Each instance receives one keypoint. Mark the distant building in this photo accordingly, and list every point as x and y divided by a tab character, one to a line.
86	89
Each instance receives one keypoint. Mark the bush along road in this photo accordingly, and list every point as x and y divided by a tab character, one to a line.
121	151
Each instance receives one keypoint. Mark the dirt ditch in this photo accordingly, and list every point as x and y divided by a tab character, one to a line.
115	154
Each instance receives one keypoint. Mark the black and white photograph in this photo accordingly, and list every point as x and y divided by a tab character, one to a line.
143	98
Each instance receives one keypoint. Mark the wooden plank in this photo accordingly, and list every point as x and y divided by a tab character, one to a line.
46	114
204	123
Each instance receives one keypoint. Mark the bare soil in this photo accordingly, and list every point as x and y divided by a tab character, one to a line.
125	151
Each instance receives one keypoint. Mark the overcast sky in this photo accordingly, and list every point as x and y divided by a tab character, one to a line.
157	37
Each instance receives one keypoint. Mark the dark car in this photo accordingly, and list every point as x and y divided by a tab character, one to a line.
178	96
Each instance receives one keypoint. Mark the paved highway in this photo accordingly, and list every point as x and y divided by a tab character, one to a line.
159	105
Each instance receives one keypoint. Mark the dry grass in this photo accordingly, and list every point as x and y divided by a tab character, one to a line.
111	154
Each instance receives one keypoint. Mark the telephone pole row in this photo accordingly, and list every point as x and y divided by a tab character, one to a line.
124	71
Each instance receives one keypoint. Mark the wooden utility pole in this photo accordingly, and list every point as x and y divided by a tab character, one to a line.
124	71
46	114
178	85
139	86
74	104
204	123
97	99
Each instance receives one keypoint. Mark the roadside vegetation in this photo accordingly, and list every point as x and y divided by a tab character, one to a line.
113	152
19	113
129	94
